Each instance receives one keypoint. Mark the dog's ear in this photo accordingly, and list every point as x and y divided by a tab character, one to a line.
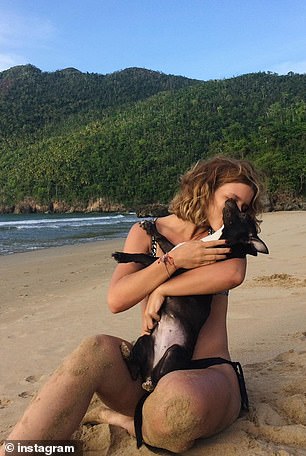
258	244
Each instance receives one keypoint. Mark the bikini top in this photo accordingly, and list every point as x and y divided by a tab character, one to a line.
154	251
153	246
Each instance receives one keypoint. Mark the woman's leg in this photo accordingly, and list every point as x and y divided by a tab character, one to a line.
184	406
95	366
187	405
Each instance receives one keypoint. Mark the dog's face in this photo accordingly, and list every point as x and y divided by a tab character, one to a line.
240	231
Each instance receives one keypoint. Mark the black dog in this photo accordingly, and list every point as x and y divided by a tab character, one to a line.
170	345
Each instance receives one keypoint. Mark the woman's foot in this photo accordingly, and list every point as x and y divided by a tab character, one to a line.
103	414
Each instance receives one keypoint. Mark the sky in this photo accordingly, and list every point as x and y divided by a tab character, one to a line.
201	39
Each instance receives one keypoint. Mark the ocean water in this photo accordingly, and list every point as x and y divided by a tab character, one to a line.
22	233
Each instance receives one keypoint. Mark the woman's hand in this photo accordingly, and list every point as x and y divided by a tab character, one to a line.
193	254
151	313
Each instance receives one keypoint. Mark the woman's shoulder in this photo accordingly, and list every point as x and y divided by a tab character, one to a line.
165	224
137	241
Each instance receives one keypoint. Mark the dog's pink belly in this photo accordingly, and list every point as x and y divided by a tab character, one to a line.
169	332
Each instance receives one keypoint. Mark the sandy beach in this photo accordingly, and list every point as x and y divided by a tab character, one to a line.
51	299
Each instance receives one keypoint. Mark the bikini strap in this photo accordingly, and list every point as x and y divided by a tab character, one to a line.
138	420
153	246
150	227
208	362
243	392
204	363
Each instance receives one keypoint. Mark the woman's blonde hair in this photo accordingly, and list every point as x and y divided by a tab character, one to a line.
198	185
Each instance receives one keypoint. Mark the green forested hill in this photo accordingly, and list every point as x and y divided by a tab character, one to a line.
127	136
31	99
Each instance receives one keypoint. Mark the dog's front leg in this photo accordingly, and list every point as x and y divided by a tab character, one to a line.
175	358
142	258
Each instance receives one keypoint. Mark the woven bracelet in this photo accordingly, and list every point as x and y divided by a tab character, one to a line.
167	259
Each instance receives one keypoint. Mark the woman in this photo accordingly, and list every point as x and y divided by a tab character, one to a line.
185	405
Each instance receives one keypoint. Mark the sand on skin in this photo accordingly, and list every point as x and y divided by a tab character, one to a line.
51	299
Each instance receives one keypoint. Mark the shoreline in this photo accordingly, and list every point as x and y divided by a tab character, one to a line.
72	245
33	232
51	299
120	236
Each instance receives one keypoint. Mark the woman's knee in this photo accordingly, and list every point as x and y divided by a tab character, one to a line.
93	352
172	417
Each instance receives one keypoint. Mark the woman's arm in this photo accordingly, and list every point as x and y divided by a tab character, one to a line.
222	275
131	282
210	279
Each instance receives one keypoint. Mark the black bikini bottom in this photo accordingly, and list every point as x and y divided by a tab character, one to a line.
195	364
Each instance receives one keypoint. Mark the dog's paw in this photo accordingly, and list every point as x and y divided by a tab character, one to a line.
148	385
148	226
122	257
117	256
125	350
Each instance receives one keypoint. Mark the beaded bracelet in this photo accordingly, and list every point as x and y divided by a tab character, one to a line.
167	259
